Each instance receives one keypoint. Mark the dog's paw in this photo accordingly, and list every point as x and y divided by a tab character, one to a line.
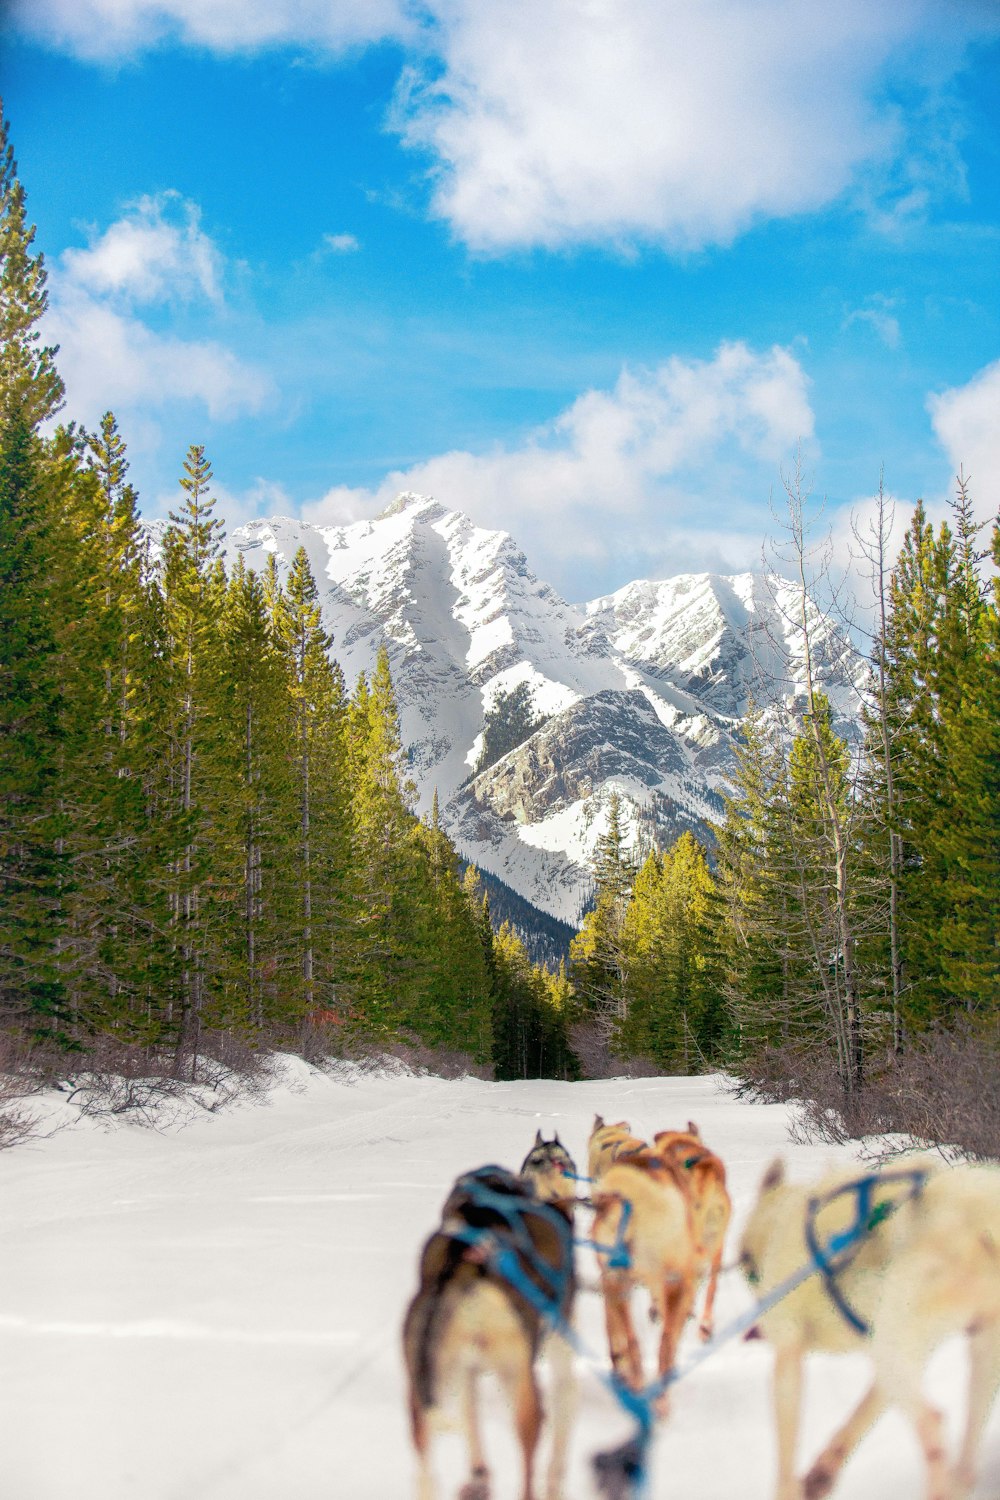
705	1331
477	1487
820	1479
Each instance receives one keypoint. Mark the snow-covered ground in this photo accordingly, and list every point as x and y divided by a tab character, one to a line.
213	1312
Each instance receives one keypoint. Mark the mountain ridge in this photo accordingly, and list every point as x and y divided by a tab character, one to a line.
639	692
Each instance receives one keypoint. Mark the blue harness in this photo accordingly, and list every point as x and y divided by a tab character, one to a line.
625	1470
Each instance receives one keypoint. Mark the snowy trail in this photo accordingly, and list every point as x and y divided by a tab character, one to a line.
212	1313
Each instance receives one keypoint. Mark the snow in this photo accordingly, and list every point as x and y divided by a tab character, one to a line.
214	1311
464	618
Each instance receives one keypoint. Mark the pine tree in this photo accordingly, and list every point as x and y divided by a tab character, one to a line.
193	585
675	1007
31	720
317	876
252	837
30	386
381	961
598	955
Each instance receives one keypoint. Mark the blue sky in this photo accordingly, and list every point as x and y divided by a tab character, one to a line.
590	271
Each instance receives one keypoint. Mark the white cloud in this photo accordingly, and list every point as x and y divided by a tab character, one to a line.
877	313
571	122
341	244
109	29
664	452
110	357
156	251
658	121
966	419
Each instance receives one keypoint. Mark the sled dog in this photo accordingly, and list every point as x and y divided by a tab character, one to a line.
607	1143
551	1170
643	1226
928	1267
467	1319
711	1206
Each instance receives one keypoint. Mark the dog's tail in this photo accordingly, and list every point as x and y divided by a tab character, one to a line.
427	1315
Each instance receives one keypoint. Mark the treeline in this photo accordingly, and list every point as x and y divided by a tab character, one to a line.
846	925
201	828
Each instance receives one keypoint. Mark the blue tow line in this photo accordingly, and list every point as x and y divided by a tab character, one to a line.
827	1260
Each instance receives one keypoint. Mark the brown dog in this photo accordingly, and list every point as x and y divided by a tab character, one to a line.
607	1143
643	1220
711	1206
468	1318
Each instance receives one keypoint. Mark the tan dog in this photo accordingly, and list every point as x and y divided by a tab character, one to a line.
928	1269
711	1206
607	1143
468	1319
643	1215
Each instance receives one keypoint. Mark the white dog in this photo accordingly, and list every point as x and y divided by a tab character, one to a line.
928	1266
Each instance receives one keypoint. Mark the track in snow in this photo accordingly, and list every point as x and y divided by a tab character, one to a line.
213	1313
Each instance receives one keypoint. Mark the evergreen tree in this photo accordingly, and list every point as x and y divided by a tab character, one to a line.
676	1011
599	957
30	386
318	871
510	721
31	720
193	588
254	821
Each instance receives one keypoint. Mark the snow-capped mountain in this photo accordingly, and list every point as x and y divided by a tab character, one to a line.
639	692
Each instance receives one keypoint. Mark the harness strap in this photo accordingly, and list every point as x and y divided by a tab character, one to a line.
619	1255
832	1258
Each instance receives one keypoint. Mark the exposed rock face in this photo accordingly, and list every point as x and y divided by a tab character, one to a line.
641	690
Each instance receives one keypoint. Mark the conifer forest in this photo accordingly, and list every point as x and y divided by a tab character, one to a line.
205	831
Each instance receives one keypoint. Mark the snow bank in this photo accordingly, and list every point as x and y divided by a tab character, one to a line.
213	1313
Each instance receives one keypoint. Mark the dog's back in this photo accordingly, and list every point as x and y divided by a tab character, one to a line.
775	1244
926	1266
607	1144
705	1175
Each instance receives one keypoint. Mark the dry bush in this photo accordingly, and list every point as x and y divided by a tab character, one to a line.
944	1091
591	1045
117	1078
327	1046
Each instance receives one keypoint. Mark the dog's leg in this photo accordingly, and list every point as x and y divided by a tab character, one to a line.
623	1346
707	1324
478	1486
678	1296
787	1404
823	1474
564	1396
420	1429
528	1421
984	1379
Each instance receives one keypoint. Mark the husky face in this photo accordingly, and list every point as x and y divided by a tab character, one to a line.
550	1169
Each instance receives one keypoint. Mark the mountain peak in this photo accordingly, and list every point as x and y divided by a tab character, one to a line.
410	500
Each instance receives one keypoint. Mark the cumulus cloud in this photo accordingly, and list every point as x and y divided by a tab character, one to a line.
110	356
558	123
667	452
155	252
108	29
966	419
654	121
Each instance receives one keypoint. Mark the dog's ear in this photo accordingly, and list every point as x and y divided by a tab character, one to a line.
555	1139
598	1122
774	1176
538	1138
693	1129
